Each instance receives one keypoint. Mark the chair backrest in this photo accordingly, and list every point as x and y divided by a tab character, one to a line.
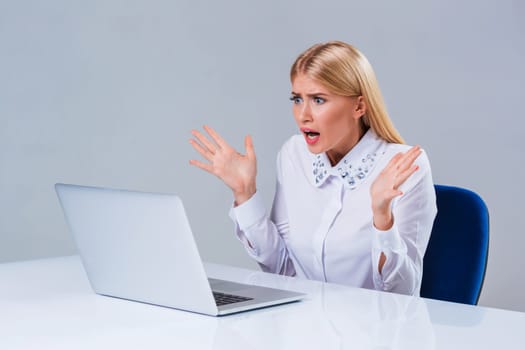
456	257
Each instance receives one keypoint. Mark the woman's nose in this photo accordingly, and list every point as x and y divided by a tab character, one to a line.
305	112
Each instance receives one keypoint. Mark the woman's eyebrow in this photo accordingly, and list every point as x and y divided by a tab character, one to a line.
310	95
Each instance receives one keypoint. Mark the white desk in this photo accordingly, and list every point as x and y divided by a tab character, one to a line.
48	304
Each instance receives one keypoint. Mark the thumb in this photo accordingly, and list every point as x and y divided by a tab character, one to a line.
395	193
248	144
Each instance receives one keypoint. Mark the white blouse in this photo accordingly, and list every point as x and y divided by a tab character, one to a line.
320	226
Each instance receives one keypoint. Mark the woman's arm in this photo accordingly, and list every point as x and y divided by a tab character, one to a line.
260	235
398	248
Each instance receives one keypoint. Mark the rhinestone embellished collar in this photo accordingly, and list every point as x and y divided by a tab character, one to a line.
355	166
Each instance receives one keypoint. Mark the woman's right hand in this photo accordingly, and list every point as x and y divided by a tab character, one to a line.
236	170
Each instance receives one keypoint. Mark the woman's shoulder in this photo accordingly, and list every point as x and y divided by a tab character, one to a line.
393	148
424	173
294	157
295	145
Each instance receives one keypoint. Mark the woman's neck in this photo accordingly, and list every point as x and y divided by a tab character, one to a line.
337	153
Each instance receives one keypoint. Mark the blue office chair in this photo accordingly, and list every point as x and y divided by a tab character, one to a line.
456	257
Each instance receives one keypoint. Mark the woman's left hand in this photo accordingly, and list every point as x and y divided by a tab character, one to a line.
386	186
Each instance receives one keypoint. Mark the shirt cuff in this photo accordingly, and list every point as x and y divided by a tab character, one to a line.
389	240
249	212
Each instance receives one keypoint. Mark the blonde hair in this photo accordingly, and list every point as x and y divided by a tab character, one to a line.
345	71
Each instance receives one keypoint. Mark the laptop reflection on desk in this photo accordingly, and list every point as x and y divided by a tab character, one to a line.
139	246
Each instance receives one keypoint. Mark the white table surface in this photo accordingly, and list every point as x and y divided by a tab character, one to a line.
48	304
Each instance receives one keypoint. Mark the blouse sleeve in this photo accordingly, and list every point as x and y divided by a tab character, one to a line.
261	234
404	244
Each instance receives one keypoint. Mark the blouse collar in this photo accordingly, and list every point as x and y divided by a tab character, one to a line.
355	166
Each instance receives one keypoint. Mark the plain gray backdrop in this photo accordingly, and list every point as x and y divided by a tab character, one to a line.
106	92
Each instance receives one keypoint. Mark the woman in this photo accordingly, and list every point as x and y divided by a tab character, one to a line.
353	204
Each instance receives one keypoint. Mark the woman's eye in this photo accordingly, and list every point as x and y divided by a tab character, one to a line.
296	99
319	100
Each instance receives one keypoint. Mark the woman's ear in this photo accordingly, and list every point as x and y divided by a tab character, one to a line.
360	107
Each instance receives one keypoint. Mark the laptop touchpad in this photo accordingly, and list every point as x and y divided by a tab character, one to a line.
226	286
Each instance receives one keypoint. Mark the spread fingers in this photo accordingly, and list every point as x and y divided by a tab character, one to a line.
205	143
202	150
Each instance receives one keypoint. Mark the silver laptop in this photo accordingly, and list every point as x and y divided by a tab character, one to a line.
139	246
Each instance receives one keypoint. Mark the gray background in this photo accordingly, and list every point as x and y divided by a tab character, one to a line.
106	93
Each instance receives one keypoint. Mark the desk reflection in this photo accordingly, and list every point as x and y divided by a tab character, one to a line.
327	320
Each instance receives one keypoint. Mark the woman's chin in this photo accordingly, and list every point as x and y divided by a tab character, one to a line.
315	149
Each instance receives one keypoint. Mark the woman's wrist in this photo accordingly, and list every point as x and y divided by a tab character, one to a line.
383	221
243	195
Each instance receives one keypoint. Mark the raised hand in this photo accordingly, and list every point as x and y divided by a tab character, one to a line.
238	171
386	186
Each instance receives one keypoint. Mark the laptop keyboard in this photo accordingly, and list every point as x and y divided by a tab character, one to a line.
224	299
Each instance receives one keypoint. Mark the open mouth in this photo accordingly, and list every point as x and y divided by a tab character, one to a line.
310	136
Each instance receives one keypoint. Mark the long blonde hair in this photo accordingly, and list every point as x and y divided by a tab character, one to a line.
345	71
